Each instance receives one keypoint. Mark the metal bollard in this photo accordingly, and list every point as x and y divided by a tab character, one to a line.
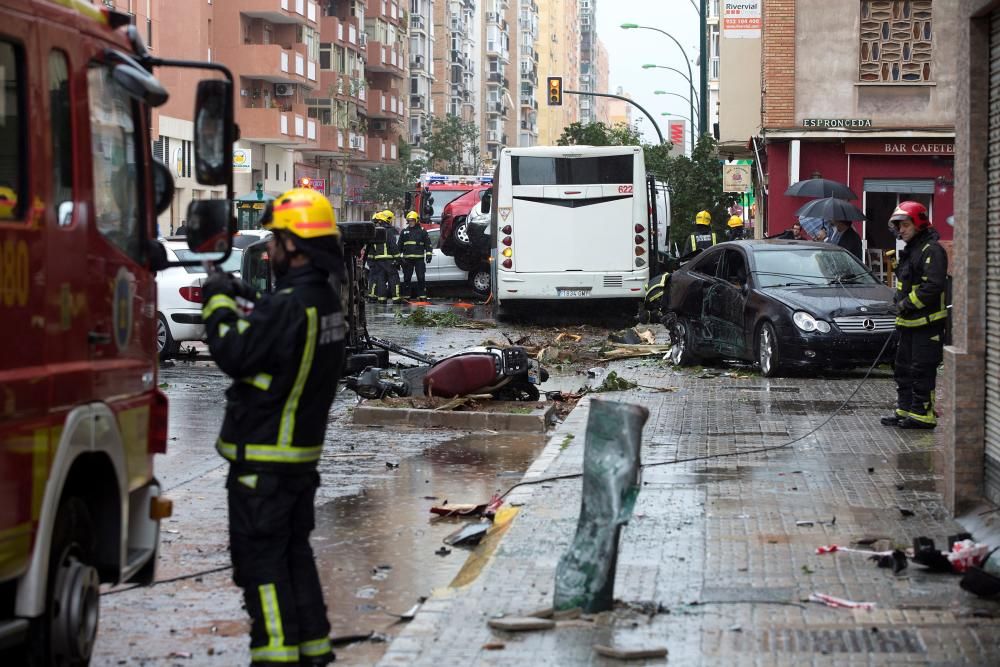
585	576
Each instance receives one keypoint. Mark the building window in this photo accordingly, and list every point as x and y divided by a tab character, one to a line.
896	41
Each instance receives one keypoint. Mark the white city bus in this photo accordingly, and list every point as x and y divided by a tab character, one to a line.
571	222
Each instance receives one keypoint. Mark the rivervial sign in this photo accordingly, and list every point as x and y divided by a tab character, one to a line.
922	147
741	19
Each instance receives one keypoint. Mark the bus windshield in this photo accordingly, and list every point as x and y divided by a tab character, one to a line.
600	170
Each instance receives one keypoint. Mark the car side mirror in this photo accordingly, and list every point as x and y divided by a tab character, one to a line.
163	187
487	204
213	132
208	232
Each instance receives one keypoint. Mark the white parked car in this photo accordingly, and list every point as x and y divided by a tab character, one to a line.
443	271
178	298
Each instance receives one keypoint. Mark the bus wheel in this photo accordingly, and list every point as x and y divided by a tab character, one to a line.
65	633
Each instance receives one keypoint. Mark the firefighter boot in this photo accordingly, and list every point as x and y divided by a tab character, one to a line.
895	419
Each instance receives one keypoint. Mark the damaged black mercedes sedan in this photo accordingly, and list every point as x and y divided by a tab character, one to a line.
782	304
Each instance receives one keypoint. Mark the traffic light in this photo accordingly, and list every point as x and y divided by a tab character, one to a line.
555	91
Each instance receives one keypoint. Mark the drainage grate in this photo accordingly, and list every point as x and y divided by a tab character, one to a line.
838	640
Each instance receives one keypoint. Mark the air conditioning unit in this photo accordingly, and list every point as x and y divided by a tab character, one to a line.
284	89
379	125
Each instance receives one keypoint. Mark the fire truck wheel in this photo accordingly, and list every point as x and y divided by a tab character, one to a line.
64	635
166	346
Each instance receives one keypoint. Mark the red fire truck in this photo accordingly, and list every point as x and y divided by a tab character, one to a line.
81	416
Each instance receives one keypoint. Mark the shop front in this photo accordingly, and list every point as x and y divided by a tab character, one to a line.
882	171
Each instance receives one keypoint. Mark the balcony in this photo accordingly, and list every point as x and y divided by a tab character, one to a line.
301	12
418	63
495	78
384	106
418	24
417	102
528	102
382	58
270	62
380	151
287	126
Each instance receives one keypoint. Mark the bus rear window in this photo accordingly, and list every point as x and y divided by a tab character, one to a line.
604	170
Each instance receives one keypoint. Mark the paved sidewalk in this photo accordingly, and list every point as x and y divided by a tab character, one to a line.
715	545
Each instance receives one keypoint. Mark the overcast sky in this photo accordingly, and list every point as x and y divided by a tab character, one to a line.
628	50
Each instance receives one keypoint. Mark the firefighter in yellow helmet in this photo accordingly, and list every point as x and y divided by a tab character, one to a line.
383	259
702	237
736	229
415	246
285	360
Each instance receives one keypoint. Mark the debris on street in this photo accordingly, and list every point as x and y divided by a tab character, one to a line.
469	535
614	382
521	623
487	509
831	601
638	653
421	317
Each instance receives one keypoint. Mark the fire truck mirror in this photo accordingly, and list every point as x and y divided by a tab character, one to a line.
163	187
138	82
487	203
208	228
408	202
213	124
428	204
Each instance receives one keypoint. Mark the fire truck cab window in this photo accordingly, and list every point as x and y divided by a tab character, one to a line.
61	133
12	132
115	152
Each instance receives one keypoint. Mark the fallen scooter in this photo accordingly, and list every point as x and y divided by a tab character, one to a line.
505	373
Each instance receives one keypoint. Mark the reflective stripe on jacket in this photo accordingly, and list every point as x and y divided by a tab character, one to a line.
702	241
285	359
921	278
414	242
389	249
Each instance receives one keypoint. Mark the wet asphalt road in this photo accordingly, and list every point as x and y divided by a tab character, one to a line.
375	542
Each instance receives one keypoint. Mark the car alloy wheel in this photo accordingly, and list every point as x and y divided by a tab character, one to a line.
679	343
161	334
767	350
462	233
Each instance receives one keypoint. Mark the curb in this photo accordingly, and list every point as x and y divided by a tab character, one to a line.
404	648
533	422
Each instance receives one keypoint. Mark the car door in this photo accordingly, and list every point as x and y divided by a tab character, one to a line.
725	304
687	295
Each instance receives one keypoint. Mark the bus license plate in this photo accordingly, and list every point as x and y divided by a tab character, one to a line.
573	292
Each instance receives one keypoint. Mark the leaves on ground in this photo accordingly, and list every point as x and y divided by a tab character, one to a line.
421	317
614	382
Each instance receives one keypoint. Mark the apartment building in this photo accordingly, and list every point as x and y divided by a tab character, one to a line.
713	39
588	57
558	55
602	107
498	117
422	72
457	59
527	68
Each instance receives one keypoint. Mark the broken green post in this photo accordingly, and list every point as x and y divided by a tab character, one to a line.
585	576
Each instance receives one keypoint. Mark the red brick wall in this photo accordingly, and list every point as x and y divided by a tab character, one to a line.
779	63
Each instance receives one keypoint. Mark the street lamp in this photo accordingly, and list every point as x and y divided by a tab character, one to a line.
702	14
697	99
686	99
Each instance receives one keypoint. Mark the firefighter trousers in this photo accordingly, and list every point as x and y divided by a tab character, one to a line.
270	518
411	265
384	279
918	355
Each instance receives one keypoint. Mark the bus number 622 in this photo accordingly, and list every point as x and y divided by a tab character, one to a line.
625	188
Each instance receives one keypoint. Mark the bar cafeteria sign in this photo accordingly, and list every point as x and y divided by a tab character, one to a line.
925	148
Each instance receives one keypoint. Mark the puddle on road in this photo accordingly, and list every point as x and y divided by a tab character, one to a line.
375	551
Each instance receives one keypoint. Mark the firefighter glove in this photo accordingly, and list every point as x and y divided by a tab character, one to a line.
219	282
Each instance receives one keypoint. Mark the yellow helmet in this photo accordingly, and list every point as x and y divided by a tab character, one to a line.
412	215
303	212
735	221
388	215
8	202
703	218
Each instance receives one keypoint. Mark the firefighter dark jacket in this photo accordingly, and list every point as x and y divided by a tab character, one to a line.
389	249
921	278
285	359
414	242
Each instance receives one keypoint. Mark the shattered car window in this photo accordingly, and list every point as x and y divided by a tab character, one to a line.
810	266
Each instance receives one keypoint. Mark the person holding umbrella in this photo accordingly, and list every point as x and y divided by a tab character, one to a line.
847	238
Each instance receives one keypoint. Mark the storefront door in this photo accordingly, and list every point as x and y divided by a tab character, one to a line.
881	198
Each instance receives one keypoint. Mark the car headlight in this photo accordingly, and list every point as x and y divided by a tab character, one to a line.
807	322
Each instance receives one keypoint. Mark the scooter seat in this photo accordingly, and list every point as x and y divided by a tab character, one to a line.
460	375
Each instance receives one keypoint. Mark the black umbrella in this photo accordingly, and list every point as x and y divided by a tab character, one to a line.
830	208
820	187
